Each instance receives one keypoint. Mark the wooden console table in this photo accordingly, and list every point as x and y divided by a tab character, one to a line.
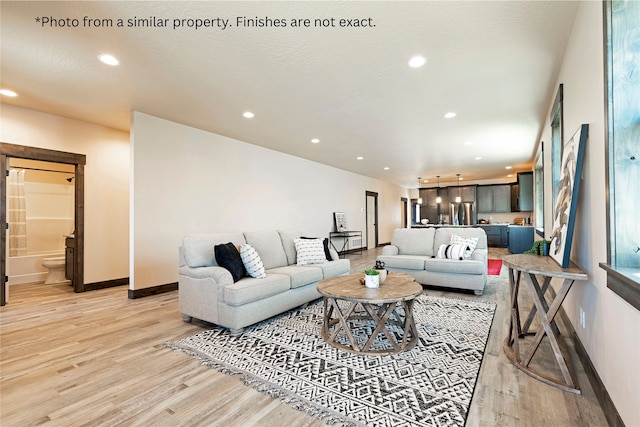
347	300
546	268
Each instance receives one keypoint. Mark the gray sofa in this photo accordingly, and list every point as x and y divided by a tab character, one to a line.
208	292
413	251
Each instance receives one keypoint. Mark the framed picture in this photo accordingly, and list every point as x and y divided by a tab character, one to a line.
340	220
564	214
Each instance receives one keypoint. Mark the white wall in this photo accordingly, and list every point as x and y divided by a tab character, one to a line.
612	333
106	181
186	180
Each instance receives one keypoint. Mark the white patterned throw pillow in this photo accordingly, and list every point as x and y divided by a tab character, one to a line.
471	242
452	251
252	262
309	251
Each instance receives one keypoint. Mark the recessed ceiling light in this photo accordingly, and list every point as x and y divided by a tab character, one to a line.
360	158
417	61
315	140
7	92
508	167
478	158
450	115
109	59
386	168
467	143
509	176
248	114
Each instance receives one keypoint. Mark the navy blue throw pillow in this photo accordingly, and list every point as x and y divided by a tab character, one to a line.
228	257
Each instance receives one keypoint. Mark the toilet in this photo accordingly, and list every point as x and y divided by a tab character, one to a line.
55	265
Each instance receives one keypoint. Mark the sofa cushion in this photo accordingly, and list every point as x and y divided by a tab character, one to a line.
414	241
437	265
325	246
199	249
443	235
287	237
300	276
309	251
471	242
452	251
334	268
227	256
249	289
269	246
409	262
252	261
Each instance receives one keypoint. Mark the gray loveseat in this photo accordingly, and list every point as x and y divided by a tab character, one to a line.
413	251
208	292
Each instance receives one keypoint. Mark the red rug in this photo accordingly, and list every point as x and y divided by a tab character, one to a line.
494	266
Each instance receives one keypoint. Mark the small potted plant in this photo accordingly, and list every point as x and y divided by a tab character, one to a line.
371	278
383	271
540	247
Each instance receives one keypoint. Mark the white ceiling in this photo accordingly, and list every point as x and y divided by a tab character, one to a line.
493	63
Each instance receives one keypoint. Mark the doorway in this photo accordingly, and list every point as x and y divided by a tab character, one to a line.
403	211
372	219
8	151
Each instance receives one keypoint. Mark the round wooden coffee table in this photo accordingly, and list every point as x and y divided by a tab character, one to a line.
348	305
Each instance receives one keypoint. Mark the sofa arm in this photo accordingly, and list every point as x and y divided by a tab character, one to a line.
390	250
201	292
480	255
220	276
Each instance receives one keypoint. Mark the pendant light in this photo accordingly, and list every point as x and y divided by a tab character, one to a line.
438	198
458	198
419	198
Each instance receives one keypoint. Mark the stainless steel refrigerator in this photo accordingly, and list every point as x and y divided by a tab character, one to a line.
463	213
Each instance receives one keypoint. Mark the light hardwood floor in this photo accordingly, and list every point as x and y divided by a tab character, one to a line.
98	359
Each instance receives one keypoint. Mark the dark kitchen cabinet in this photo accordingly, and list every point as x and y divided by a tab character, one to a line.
522	193
466	192
429	208
520	239
494	198
525	191
497	235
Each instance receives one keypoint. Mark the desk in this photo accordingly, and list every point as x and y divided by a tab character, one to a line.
346	236
546	268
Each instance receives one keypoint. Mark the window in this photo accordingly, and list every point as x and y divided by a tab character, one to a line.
538	176
556	143
415	211
622	149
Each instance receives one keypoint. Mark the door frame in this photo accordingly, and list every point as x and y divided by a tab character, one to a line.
79	161
375	216
404	208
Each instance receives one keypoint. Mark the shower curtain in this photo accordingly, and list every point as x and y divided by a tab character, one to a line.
17	213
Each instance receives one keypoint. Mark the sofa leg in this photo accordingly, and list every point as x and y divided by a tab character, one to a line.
187	318
477	293
236	332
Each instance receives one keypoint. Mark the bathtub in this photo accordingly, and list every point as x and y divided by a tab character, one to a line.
28	269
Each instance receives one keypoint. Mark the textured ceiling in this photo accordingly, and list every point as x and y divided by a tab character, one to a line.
493	63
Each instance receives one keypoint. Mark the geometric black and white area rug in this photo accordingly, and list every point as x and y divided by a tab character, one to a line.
429	385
